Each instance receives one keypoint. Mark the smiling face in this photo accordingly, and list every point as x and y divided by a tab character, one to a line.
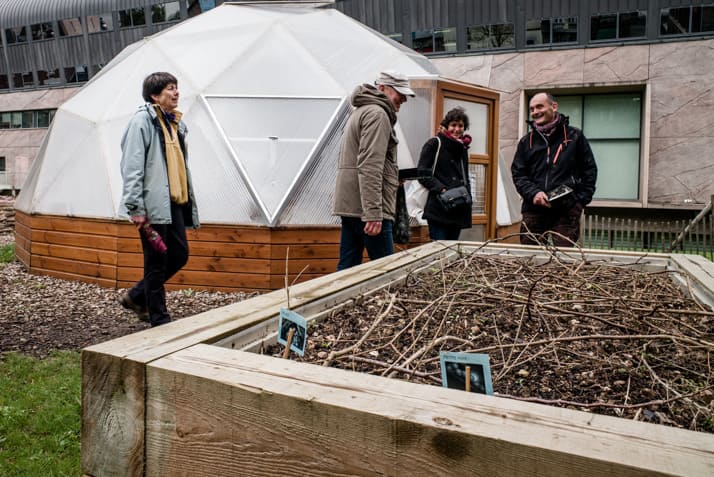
456	128
168	98
542	109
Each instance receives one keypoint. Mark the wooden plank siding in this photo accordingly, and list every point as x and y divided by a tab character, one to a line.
223	257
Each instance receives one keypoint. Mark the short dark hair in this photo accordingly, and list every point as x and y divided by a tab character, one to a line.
456	114
155	84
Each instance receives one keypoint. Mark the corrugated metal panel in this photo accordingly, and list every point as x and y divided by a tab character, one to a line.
551	8
489	12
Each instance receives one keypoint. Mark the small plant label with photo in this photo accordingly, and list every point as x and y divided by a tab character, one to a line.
466	371
291	320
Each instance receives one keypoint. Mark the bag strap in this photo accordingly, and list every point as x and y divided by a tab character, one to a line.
436	157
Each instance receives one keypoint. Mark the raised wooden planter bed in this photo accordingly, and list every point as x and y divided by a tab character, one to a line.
186	399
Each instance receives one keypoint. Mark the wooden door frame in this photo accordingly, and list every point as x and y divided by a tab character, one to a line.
461	91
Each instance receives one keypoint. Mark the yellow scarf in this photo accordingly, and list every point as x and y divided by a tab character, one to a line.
175	164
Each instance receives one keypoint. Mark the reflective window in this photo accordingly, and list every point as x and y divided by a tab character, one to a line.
4	82
132	17
199	6
617	26
15	35
40	118
22	80
434	41
49	77
2	164
97	23
612	124
686	20
549	31
482	37
165	12
76	74
42	31
70	27
396	37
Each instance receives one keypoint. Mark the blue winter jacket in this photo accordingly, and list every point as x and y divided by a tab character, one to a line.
143	168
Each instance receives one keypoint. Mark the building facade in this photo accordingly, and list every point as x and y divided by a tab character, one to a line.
634	74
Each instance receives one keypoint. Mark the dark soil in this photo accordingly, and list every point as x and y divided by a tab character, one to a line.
591	336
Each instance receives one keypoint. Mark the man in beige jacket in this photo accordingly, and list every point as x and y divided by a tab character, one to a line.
368	176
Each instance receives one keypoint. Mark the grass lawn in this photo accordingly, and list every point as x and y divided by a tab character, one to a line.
7	253
40	415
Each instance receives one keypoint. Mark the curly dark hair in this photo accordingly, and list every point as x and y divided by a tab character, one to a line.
155	84
456	114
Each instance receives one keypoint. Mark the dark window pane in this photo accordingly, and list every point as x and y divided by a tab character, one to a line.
137	17
633	24
198	6
703	19
49	77
4	83
2	164
16	120
43	119
603	27
477	37
42	31
76	74
674	21
422	41
124	19
5	120
445	39
538	32
15	35
27	119
158	13
502	36
97	23
565	30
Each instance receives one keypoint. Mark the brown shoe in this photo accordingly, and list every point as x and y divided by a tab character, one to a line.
141	312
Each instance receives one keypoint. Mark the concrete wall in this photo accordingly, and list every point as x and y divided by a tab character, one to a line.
678	138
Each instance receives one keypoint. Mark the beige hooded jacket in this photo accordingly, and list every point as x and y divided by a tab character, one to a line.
367	175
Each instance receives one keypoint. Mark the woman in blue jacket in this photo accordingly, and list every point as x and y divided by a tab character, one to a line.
157	193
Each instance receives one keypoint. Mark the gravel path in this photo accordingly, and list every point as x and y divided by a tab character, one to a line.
39	314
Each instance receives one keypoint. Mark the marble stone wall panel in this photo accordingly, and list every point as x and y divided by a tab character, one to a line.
39	99
679	171
682	59
507	72
553	68
682	107
616	64
472	69
508	116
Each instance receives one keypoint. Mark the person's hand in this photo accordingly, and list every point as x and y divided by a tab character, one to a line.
139	220
373	227
541	199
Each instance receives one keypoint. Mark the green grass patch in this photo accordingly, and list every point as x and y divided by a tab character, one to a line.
7	253
40	415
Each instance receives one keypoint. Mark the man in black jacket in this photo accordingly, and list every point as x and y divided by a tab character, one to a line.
553	154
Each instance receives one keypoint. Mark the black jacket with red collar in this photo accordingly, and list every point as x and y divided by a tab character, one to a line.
543	163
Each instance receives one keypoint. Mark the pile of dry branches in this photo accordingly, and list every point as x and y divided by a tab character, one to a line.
589	335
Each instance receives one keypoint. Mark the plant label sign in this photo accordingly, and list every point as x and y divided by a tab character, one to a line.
466	371
289	319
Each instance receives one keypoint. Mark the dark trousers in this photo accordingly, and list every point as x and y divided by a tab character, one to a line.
439	231
353	241
160	267
565	222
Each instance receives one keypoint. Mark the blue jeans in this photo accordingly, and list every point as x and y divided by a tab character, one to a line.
353	241
439	231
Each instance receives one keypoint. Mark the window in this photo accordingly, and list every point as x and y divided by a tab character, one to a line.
42	31
70	26
618	26
199	6
22	80
686	20
132	17
4	82
47	78
98	23
76	74
434	41
611	122
549	31
490	36
26	119
3	165
15	35
165	12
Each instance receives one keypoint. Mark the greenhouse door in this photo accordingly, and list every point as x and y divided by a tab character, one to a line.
481	106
